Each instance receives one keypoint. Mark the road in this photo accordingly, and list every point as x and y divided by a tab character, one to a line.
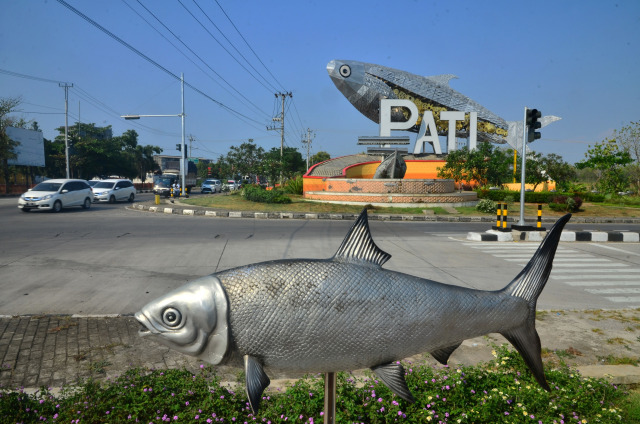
112	260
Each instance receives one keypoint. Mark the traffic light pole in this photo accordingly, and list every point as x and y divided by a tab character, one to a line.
523	167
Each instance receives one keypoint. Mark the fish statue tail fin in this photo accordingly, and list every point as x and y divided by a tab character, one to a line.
528	285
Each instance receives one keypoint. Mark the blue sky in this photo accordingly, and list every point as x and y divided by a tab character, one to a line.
579	60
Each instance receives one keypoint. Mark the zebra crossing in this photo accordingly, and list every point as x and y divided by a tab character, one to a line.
615	281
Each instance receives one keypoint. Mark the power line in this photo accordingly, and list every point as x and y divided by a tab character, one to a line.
153	62
247	43
201	60
272	88
16	74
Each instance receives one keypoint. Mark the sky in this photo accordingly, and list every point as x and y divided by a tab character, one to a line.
576	59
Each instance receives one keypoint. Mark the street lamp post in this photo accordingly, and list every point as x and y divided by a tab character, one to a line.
183	151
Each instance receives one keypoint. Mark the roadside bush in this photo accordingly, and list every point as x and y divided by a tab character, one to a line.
294	185
565	203
256	193
487	206
496	392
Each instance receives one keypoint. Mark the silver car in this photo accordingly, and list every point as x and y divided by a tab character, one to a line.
57	194
113	190
211	186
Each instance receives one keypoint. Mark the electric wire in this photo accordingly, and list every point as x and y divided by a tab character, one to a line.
17	74
203	61
154	63
223	47
273	88
82	94
247	43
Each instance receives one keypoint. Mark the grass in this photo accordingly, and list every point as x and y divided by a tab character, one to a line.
618	360
234	201
501	391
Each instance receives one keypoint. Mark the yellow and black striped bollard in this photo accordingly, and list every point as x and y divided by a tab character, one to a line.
539	223
505	213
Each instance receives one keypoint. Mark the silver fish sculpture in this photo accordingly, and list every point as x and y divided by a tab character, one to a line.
365	84
343	313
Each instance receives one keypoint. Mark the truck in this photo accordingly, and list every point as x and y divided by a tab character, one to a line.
166	178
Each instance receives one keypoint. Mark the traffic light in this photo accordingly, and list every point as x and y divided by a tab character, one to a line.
209	171
179	147
532	123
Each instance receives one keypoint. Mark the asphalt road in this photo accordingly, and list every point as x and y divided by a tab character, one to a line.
111	260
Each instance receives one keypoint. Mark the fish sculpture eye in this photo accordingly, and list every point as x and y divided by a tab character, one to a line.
171	317
345	71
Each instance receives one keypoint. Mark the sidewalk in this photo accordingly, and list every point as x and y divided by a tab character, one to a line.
57	350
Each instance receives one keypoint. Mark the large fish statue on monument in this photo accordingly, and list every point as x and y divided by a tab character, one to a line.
365	84
343	313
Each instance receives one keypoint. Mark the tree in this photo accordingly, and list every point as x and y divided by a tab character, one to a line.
95	152
484	165
455	167
609	161
292	164
144	160
558	170
536	173
246	159
629	140
319	157
7	146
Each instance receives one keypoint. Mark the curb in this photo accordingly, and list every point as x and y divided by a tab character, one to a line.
200	211
177	209
537	236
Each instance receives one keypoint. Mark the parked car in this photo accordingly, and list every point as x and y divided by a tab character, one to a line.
232	185
113	190
93	182
57	194
211	186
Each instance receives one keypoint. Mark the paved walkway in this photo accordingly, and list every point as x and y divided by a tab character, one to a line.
57	350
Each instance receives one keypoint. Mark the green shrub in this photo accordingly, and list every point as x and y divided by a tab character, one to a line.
294	185
487	206
255	193
562	203
501	391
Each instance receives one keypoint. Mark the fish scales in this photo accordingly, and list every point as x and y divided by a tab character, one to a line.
398	315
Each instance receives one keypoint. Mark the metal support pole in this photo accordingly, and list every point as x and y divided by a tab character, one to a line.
523	166
183	161
329	398
66	122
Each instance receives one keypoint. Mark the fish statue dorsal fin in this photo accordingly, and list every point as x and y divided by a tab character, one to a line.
358	246
442	79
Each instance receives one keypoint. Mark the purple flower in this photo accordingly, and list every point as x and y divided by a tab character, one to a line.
506	413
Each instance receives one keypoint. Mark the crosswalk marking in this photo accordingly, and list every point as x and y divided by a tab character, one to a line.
603	283
614	291
621	299
595	275
560	260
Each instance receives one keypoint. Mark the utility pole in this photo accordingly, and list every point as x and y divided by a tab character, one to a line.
183	160
66	121
281	129
307	141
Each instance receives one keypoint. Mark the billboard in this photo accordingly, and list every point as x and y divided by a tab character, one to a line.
31	148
